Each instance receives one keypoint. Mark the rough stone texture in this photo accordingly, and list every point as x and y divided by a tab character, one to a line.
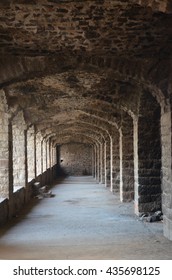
52	26
31	153
127	158
18	201
4	147
149	155
108	162
19	171
73	69
166	173
38	154
3	211
44	156
116	162
76	159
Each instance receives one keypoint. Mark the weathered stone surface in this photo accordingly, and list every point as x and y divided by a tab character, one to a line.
76	159
88	70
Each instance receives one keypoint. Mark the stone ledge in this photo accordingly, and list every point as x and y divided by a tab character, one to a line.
17	188
2	199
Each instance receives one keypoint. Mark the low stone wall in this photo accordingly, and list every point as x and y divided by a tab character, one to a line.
3	210
18	200
21	196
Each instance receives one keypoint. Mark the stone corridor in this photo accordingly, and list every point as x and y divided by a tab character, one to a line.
82	221
86	90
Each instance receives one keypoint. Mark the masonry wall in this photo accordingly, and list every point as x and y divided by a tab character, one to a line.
76	159
149	155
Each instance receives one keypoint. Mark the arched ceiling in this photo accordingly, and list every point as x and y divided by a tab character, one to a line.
81	63
48	27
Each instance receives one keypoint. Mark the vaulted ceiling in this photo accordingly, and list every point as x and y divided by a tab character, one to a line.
75	65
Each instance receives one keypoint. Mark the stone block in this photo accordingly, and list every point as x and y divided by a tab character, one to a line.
167	228
3	211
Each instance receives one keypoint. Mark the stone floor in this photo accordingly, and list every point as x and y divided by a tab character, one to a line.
82	221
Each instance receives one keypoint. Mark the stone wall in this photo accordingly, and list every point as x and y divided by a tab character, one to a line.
76	159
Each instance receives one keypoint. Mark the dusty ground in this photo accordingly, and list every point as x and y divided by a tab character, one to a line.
83	221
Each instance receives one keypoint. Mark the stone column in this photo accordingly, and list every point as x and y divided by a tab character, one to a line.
98	162
136	175
19	170
6	165
105	168
103	162
95	161
47	155
116	161
31	151
44	156
166	129
111	164
127	158
108	162
148	191
121	169
38	154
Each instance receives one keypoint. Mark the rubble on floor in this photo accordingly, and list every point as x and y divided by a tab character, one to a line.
152	217
41	192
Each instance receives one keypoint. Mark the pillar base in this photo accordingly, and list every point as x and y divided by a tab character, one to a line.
167	228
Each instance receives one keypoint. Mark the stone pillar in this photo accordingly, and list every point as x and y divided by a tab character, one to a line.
95	161
121	169
44	156
108	162
98	162
127	164
47	155
50	154
31	151
19	169
103	162
111	164
38	154
116	162
148	198
105	168
166	129
136	176
6	166
54	156
51	160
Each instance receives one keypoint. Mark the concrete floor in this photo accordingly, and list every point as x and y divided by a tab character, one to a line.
82	221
